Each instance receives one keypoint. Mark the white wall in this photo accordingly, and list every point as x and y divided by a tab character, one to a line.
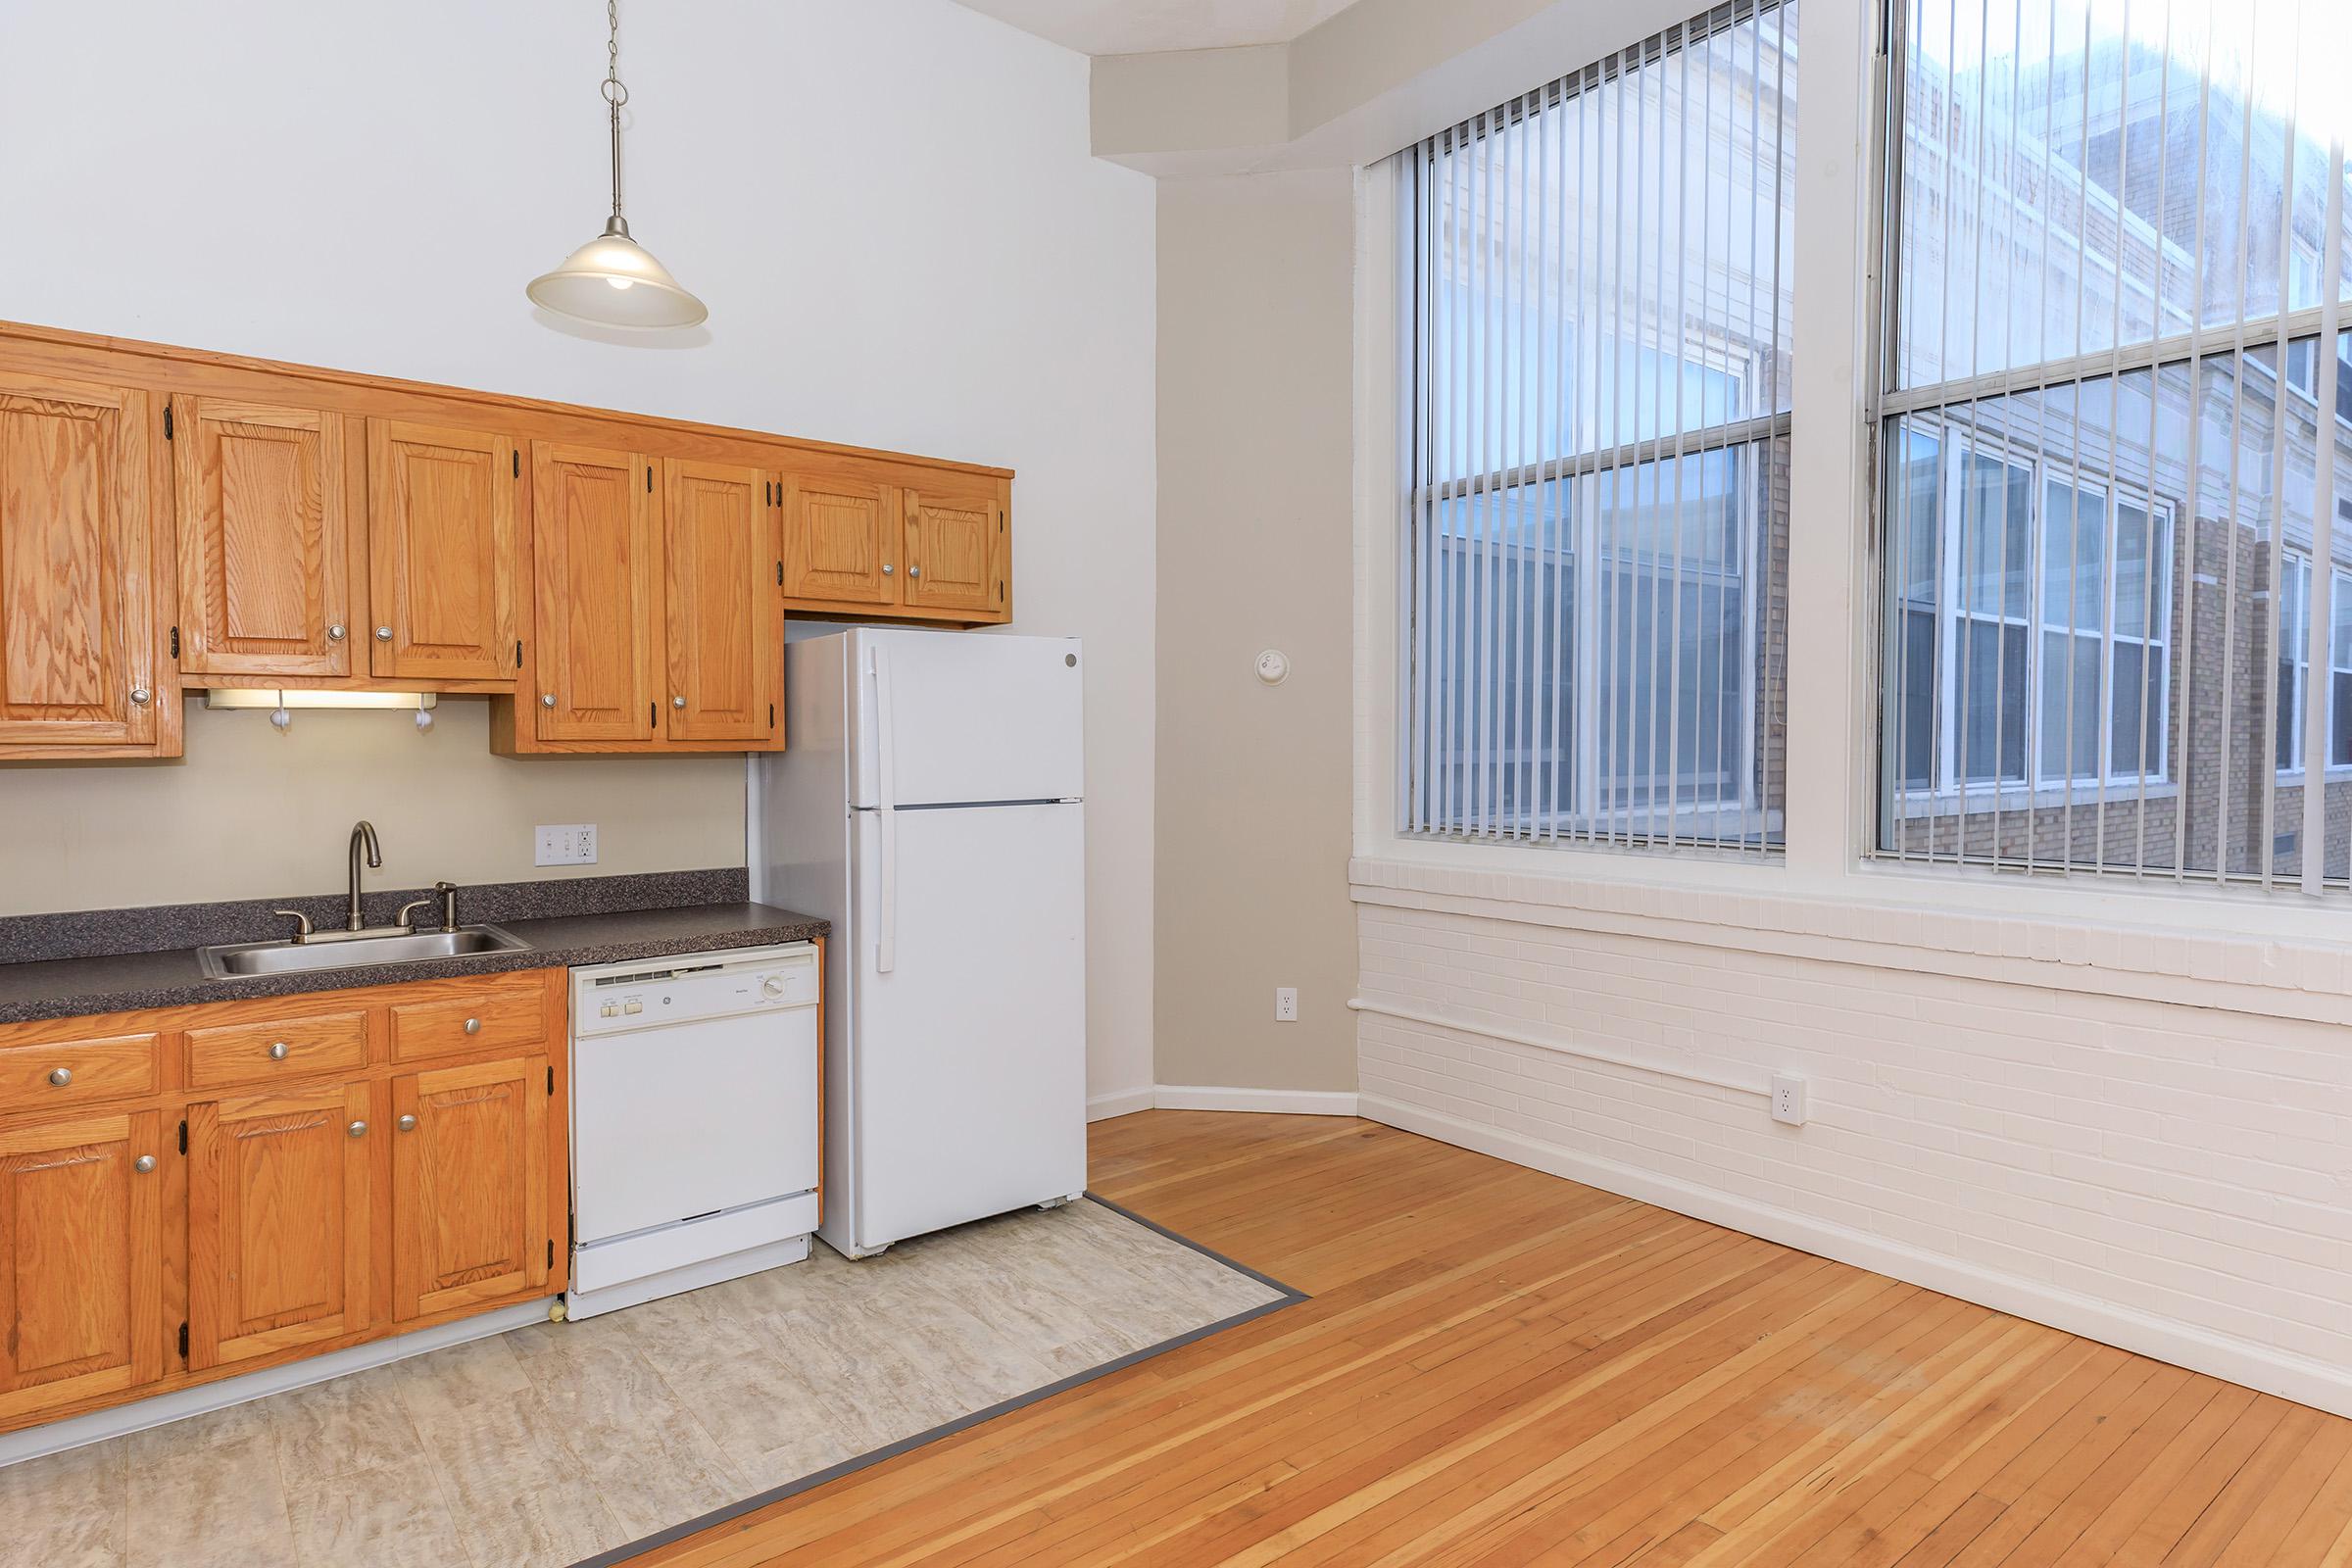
890	208
2122	1109
1255	338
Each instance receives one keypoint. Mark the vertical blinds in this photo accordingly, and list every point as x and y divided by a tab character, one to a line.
1594	419
2117	435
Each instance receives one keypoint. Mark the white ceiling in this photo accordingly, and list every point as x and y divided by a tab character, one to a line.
1146	27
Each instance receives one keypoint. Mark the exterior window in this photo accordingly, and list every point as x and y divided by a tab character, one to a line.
2115	432
1596	370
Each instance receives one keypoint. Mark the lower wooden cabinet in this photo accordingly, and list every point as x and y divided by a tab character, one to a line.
470	1183
82	1247
235	1205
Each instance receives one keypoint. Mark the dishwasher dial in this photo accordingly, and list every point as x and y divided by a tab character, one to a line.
773	985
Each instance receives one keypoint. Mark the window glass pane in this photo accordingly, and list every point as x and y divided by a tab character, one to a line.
2135	695
1993	667
1996	498
2074	555
2069	708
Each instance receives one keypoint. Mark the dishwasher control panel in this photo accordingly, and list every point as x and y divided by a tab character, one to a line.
653	993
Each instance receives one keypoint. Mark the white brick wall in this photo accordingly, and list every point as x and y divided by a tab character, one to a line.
2174	1178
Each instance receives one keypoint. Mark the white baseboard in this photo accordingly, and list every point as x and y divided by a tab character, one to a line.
2292	1377
1290	1102
117	1420
1118	1102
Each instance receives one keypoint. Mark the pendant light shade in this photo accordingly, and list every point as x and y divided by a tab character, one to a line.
613	280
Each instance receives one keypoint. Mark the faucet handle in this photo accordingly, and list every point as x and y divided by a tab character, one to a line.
408	909
301	923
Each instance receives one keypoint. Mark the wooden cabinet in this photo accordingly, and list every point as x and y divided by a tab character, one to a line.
174	518
81	1261
599	557
469	1181
841	541
79	557
278	1208
956	550
444	550
194	1202
723	620
265	535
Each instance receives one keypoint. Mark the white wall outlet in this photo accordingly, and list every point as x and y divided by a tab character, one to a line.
1286	1004
1788	1099
573	843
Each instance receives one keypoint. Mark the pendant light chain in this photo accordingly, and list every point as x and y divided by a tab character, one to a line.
614	92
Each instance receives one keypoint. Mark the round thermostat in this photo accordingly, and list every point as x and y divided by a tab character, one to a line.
1273	667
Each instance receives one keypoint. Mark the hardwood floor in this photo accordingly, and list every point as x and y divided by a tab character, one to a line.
1498	1366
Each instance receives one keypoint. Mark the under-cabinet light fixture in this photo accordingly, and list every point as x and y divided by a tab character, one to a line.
282	703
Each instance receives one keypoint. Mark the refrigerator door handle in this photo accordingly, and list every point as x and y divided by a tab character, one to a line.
886	914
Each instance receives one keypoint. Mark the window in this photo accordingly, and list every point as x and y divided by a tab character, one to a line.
2107	453
1596	368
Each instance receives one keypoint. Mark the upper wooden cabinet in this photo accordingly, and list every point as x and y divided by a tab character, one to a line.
174	518
841	541
264	537
82	1250
79	551
444	552
724	619
598	548
956	550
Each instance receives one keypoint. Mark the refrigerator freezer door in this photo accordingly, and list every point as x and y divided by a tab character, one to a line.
970	1064
952	717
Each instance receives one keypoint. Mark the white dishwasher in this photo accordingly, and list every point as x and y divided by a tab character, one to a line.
694	1121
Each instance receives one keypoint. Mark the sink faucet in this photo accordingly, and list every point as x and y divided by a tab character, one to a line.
363	834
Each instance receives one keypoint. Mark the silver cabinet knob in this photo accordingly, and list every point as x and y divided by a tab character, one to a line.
547	699
143	1164
334	633
358	1129
474	1026
277	1051
60	1076
383	634
139	695
914	572
886	568
406	1124
678	702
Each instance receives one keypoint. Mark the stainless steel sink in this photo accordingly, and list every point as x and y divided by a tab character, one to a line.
328	950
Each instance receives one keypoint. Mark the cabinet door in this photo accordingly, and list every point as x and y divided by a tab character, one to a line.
469	1186
444	552
598	552
76	574
279	1209
838	538
81	1275
724	622
954	542
263	540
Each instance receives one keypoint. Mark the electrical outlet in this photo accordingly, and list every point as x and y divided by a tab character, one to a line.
1788	1099
573	843
1286	1004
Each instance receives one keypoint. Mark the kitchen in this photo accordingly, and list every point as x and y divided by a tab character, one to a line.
1098	835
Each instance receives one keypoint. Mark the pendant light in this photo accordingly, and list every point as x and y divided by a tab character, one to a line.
613	280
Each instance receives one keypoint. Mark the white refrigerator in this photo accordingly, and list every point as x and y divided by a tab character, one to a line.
930	803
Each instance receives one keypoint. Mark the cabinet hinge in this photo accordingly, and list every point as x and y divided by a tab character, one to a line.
176	642
650	722
518	652
514	457
167	421
183	1342
771	715
649	479
779	575
183	1135
551	1079
550	1251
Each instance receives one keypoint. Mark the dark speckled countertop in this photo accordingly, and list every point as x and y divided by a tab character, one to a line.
579	926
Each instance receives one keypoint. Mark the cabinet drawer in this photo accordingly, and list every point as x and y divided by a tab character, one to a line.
502	1019
113	1067
229	1055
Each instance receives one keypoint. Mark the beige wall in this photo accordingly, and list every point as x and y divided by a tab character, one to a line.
253	813
1252	833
